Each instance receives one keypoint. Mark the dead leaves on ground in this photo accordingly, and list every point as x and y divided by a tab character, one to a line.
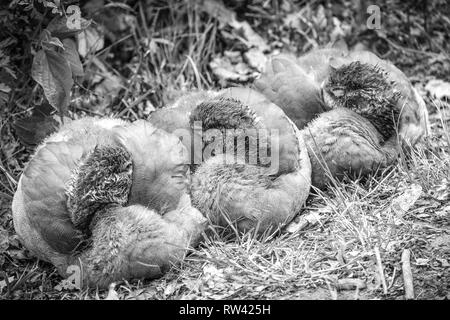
234	66
438	89
311	26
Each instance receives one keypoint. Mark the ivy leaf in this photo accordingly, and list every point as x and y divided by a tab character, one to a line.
62	26
52	71
71	55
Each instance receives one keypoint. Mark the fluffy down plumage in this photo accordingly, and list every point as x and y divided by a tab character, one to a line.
261	196
355	109
110	197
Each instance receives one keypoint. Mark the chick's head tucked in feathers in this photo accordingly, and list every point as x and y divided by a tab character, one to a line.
366	90
160	166
254	172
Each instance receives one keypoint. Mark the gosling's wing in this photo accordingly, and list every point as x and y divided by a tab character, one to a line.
171	119
293	89
160	163
176	116
175	119
43	185
317	62
342	141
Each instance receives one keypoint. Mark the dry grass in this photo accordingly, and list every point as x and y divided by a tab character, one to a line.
168	55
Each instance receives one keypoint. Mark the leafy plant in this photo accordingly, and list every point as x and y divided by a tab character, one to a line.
57	63
39	42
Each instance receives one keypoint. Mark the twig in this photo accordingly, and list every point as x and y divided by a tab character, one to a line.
5	195
333	291
407	275
128	108
136	102
380	270
399	47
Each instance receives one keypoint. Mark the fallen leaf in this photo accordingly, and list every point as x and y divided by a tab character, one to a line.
422	261
66	284
406	200
3	283
90	41
192	285
225	71
242	31
438	88
170	289
303	222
